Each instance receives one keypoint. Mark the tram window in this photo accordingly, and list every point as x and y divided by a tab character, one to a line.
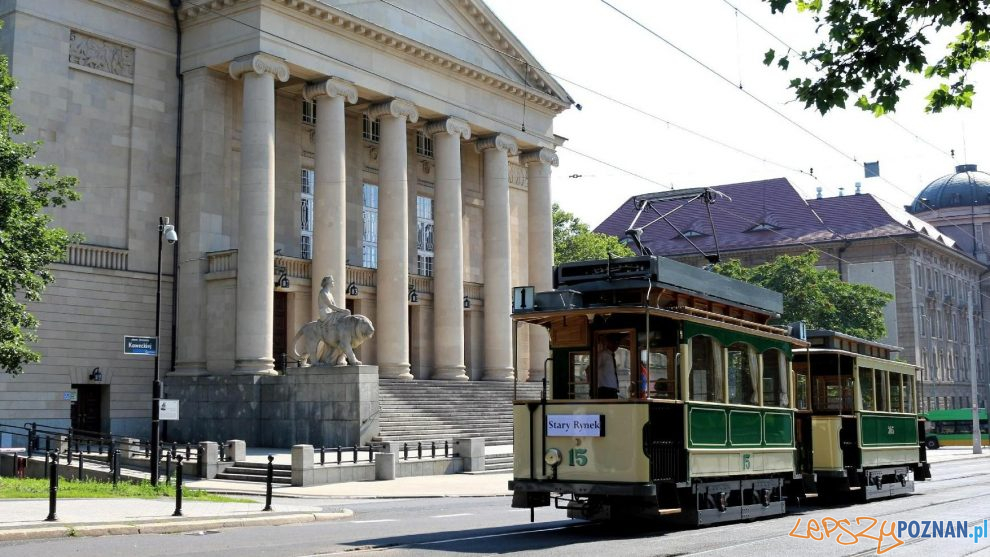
895	392
706	370
742	374
908	389
833	395
579	385
866	388
774	378
801	391
662	384
881	391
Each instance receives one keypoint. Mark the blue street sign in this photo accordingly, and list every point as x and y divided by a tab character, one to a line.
146	346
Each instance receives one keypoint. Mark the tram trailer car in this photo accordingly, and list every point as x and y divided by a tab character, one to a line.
705	428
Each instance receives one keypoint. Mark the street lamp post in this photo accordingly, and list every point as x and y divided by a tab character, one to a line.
167	232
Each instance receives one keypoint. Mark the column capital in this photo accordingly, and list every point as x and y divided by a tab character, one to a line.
541	155
451	125
259	63
498	141
394	107
331	87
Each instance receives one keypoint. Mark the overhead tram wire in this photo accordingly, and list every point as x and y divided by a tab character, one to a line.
790	48
771	108
603	95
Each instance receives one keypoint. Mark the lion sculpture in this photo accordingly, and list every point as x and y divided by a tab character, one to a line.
339	338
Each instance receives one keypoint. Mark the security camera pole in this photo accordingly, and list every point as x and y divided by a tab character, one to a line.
165	231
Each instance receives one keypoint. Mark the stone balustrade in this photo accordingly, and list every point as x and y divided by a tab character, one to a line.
100	257
226	262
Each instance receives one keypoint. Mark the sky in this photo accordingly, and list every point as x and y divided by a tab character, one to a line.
604	60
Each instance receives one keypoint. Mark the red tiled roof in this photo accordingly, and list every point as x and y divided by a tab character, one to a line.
773	204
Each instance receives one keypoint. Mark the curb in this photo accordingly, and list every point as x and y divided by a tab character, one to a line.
166	526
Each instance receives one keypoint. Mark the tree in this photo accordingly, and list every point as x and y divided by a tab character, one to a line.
818	297
573	240
28	245
879	43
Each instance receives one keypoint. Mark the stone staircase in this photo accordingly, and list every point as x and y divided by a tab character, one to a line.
430	410
257	472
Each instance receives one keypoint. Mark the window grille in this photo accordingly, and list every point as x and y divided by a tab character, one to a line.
309	112
424	236
424	144
371	130
306	213
369	240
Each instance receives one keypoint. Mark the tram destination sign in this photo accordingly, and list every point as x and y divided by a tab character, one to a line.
145	346
575	425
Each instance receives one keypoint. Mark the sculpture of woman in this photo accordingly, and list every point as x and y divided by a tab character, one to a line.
329	312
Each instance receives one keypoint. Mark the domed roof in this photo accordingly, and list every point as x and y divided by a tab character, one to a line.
966	187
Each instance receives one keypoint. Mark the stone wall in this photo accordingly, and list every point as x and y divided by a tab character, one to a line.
315	406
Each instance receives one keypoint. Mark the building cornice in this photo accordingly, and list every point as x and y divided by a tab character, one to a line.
343	22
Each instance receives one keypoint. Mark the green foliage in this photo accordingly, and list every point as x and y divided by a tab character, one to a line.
37	488
872	46
573	240
818	297
28	245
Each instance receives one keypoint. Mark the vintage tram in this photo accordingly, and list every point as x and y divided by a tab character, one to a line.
710	423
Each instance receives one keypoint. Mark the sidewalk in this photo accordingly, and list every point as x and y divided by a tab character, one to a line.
24	518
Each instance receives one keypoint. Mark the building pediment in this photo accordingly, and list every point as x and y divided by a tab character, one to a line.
460	36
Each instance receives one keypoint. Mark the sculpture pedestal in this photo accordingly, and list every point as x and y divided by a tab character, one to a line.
317	405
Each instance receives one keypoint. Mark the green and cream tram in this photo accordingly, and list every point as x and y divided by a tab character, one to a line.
707	425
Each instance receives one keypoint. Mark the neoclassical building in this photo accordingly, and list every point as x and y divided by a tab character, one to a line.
929	270
404	149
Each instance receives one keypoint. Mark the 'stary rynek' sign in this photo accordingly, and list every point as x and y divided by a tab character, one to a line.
575	425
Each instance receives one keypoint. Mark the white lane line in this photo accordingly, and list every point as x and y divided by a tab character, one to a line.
451	515
372	521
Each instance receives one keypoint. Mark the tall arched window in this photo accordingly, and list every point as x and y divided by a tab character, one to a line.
706	369
743	377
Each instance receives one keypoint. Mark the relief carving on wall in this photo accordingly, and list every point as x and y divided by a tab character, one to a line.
517	175
98	54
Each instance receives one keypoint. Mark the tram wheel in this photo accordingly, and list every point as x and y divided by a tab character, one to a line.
931	443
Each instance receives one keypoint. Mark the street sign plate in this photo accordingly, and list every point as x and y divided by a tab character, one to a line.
145	346
168	409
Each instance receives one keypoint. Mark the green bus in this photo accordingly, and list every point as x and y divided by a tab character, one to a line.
954	428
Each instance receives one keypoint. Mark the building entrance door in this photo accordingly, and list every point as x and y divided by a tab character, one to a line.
87	411
280	329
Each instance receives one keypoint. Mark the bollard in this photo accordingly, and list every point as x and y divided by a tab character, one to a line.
68	454
371	453
355	453
268	488
405	451
46	461
188	451
419	450
338	454
52	487
178	486
168	468
80	466
433	449
323	456
115	467
446	449
48	444
32	439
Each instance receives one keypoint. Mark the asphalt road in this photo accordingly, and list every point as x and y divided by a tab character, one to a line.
487	525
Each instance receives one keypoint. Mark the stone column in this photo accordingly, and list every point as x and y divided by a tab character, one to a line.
497	266
392	330
448	263
256	215
538	163
330	192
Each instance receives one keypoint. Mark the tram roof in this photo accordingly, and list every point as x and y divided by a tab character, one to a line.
641	272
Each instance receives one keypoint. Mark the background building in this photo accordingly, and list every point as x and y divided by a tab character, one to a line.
866	241
287	140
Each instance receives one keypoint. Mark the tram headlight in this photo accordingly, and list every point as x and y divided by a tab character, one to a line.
552	457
